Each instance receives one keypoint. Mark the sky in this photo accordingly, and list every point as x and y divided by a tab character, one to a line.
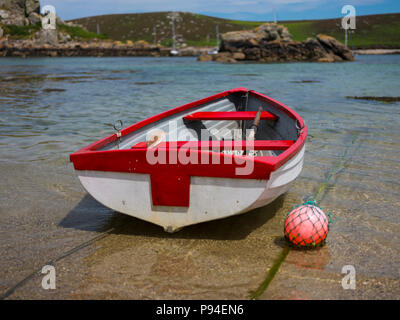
255	10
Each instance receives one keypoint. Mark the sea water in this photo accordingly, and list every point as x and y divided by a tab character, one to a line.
51	107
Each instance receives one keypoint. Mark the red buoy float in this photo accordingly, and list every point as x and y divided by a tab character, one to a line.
306	225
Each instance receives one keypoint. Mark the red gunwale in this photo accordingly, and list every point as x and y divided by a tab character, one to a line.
134	160
229	115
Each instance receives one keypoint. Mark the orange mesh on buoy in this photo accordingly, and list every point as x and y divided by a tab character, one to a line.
306	225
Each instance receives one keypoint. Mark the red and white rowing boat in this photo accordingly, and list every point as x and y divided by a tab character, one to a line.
210	159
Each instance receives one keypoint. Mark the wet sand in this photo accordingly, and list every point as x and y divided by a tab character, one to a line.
45	212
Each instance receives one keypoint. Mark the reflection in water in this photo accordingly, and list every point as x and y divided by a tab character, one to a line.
309	259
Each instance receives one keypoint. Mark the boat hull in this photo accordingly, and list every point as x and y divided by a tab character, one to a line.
195	163
210	198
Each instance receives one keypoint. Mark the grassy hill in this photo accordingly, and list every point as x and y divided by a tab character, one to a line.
373	31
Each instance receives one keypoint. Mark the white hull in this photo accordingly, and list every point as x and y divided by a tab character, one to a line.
210	198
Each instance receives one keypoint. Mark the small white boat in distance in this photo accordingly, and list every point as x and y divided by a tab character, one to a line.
209	159
173	52
213	51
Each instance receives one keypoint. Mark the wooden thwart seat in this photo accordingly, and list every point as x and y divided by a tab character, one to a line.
229	115
221	145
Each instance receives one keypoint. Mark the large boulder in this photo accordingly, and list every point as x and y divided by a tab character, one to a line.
32	6
339	49
18	5
141	44
4	14
34	18
231	41
204	57
19	12
12	17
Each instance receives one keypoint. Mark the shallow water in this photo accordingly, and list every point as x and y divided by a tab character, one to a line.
50	107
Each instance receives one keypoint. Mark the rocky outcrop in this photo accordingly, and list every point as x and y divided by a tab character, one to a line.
13	17
32	6
54	43
12	4
27	12
330	44
23	6
204	57
254	38
19	12
22	12
273	43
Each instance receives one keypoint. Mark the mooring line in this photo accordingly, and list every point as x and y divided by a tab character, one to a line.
271	274
51	262
286	249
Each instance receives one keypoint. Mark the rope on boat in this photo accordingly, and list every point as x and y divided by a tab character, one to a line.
321	192
53	261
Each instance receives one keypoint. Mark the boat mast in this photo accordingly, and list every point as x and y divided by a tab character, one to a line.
173	33
217	32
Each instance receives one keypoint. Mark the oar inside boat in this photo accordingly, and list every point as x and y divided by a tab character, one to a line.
254	126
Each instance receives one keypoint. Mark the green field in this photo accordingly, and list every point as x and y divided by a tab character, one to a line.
20	32
373	31
27	32
79	33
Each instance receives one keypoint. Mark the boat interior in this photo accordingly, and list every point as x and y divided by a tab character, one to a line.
217	123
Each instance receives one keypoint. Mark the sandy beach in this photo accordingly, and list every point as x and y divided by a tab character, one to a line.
377	51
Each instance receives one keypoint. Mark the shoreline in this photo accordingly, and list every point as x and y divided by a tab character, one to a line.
90	49
376	51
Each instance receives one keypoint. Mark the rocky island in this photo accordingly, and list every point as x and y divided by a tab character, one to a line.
272	42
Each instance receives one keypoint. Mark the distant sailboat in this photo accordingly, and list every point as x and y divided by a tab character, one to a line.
215	50
174	52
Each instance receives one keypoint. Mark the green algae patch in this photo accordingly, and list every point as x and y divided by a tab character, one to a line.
271	274
372	98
